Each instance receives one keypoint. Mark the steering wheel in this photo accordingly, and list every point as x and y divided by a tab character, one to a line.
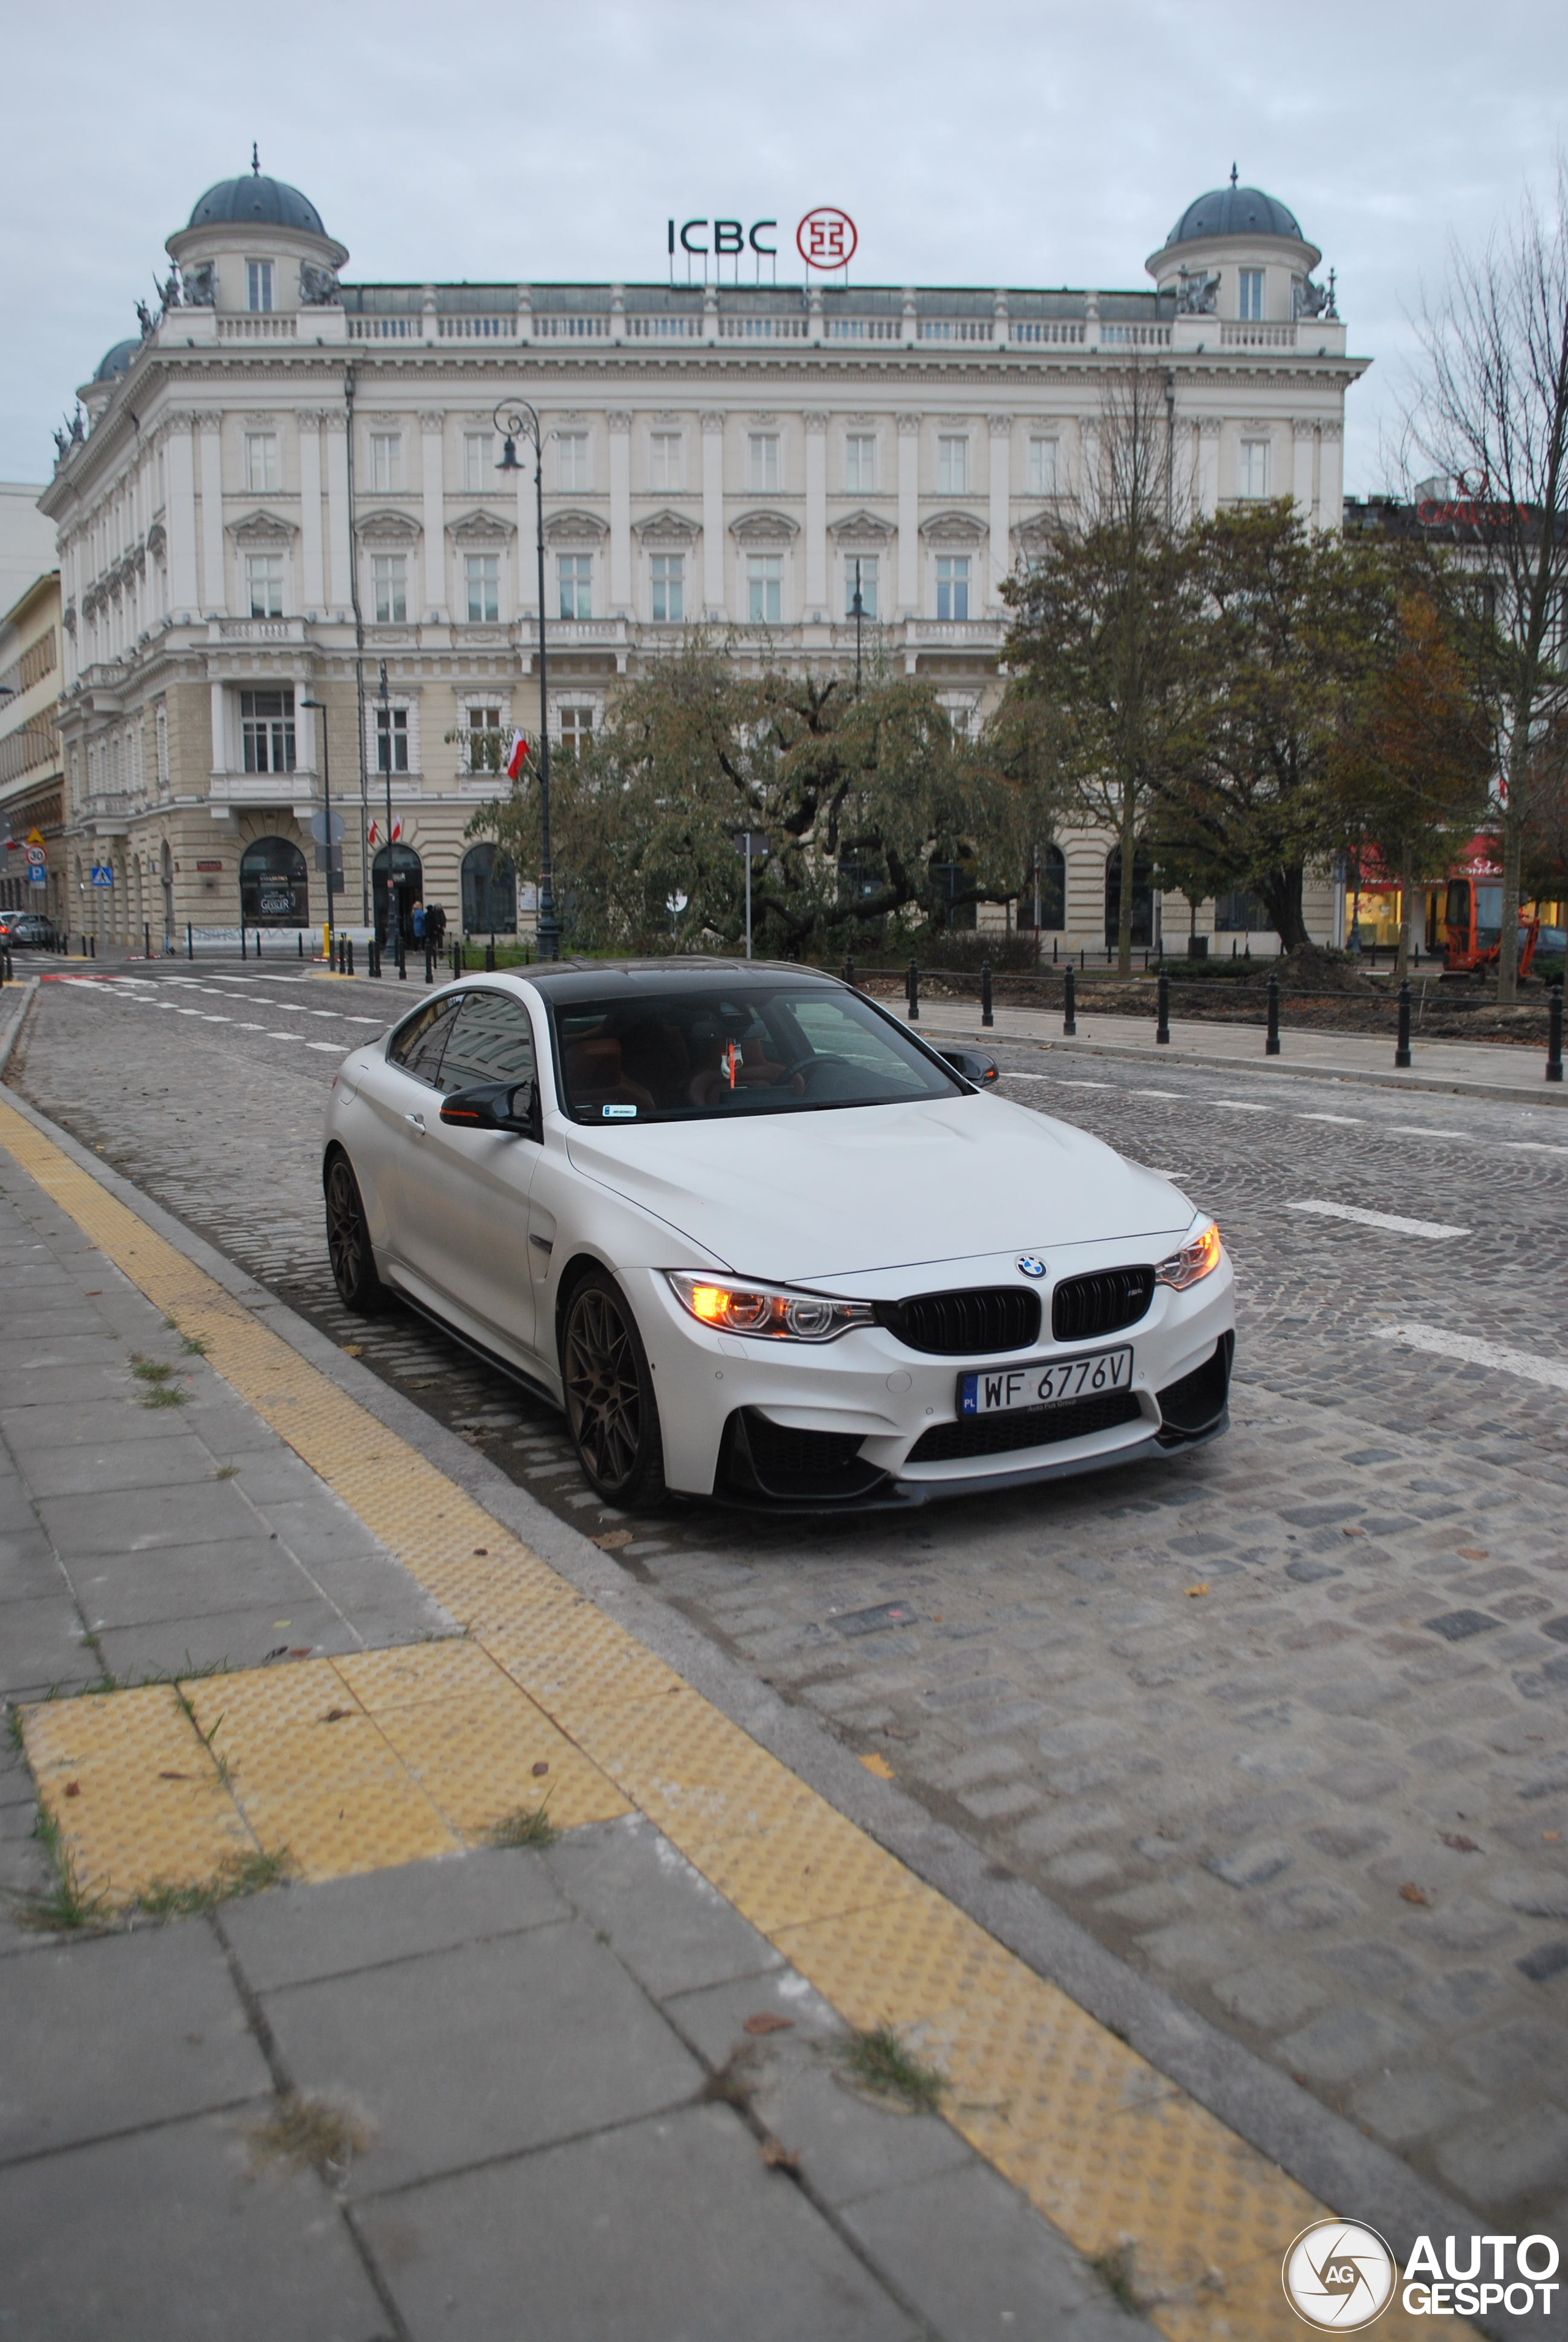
804	1068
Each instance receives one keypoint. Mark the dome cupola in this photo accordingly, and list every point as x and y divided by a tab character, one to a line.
1239	253
257	243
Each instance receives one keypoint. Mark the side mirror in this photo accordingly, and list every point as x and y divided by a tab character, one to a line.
974	1065
494	1106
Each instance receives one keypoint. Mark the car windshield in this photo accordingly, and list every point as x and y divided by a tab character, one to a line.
701	1050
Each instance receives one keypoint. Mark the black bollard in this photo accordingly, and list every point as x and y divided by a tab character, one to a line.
1163	999
373	957
490	957
985	1015
190	942
912	989
1402	1050
92	946
1554	1035
1271	1046
1070	1002
299	943
147	942
849	969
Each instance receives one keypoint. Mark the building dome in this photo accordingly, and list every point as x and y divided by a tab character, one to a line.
115	362
1235	211
258	201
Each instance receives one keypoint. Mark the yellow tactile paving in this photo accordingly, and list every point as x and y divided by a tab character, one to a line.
1102	2144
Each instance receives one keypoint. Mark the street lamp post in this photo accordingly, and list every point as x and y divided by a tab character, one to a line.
857	606
518	420
393	901
318	706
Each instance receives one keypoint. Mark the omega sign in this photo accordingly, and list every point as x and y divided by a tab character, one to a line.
825	237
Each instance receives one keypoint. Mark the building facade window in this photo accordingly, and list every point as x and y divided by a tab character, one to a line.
261	463
258	284
860	462
387	461
392	739
478	461
664	459
571	460
161	728
764	588
1253	473
762	460
952	585
669	588
482	745
482	575
576	730
389	575
263	579
1043	462
1252	291
574	577
266	730
951	465
863	566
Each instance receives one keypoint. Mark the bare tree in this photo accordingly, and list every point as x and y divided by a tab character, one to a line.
1491	413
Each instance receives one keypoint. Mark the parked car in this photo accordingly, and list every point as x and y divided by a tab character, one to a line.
28	930
760	1242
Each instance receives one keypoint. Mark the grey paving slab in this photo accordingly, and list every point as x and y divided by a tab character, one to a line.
109	2035
29	1566
187	1581
177	1460
672	1930
687	2237
225	1639
482	2050
174	2235
41	1643
712	2017
16	1514
81	1419
298	1934
132	1520
321	1528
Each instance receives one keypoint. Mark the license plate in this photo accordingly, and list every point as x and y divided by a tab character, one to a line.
1044	1383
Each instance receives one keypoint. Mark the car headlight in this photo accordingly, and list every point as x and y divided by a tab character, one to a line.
763	1310
1200	1255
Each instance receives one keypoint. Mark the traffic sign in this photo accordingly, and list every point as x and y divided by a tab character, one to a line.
35	837
319	822
37	855
103	876
37	874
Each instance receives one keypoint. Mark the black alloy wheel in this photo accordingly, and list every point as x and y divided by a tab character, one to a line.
348	1242
611	1410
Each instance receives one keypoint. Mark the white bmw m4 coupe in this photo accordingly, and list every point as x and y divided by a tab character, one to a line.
762	1243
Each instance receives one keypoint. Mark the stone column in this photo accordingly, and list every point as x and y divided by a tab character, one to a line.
220	763
620	514
999	561
908	515
432	429
181	492
313	570
1331	476
1208	464
816	601
340	585
1303	434
715	598
215	583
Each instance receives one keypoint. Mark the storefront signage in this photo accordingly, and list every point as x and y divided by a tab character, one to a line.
729	235
209	865
826	238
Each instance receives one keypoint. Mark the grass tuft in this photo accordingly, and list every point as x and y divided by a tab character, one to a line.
150	1370
1115	2270
164	1394
67	1906
226	1472
311	2134
242	1874
527	1825
195	1347
880	2062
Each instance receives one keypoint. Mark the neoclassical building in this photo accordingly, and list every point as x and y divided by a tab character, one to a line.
286	491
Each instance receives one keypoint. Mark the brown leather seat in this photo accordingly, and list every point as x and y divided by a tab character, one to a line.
594	1076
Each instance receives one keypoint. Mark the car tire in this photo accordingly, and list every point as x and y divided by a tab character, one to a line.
348	1244
611	1410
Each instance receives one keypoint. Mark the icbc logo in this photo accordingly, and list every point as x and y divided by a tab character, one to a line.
826	239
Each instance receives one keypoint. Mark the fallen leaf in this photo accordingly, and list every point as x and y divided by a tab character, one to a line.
1550	1837
353	1349
174	1776
780	2158
481	1553
540	1768
1352	1532
1202	1588
1473	1552
73	1789
1459	1842
280	1651
876	1762
336	1714
299	1650
768	2020
1413	1893
612	1540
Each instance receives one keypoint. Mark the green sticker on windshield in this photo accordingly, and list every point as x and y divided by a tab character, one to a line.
618	1113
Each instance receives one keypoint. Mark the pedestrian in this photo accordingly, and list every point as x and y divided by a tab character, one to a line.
418	921
435	926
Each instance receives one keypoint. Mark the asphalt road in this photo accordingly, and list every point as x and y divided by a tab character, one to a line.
1284	1723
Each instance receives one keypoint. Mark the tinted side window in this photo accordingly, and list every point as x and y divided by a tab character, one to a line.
418	1047
493	1042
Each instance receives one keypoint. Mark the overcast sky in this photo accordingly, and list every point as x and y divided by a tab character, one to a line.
983	144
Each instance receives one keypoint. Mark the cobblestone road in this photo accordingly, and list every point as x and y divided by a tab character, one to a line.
1285	1724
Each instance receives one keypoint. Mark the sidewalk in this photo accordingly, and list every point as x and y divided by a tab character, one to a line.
327	2060
1464	1068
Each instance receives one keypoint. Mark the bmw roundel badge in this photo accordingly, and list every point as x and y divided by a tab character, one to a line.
1031	1265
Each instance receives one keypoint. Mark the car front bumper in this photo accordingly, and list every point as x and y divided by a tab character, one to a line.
842	1425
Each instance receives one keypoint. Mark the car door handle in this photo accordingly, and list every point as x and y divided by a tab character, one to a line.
417	1121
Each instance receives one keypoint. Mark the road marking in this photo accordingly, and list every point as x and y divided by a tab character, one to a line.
285	1036
1532	1147
208	1018
1475	1352
1241	1106
381	1020
1351	1121
1157	1094
1420	1130
1401	1226
1073	1085
325	1044
253	1028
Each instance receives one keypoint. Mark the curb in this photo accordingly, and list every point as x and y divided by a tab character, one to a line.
13	1030
1254	2098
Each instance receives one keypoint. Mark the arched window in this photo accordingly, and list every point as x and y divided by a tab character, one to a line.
489	892
1142	897
1052	893
274	891
410	879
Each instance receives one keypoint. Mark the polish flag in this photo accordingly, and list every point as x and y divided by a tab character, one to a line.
516	756
374	834
396	830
